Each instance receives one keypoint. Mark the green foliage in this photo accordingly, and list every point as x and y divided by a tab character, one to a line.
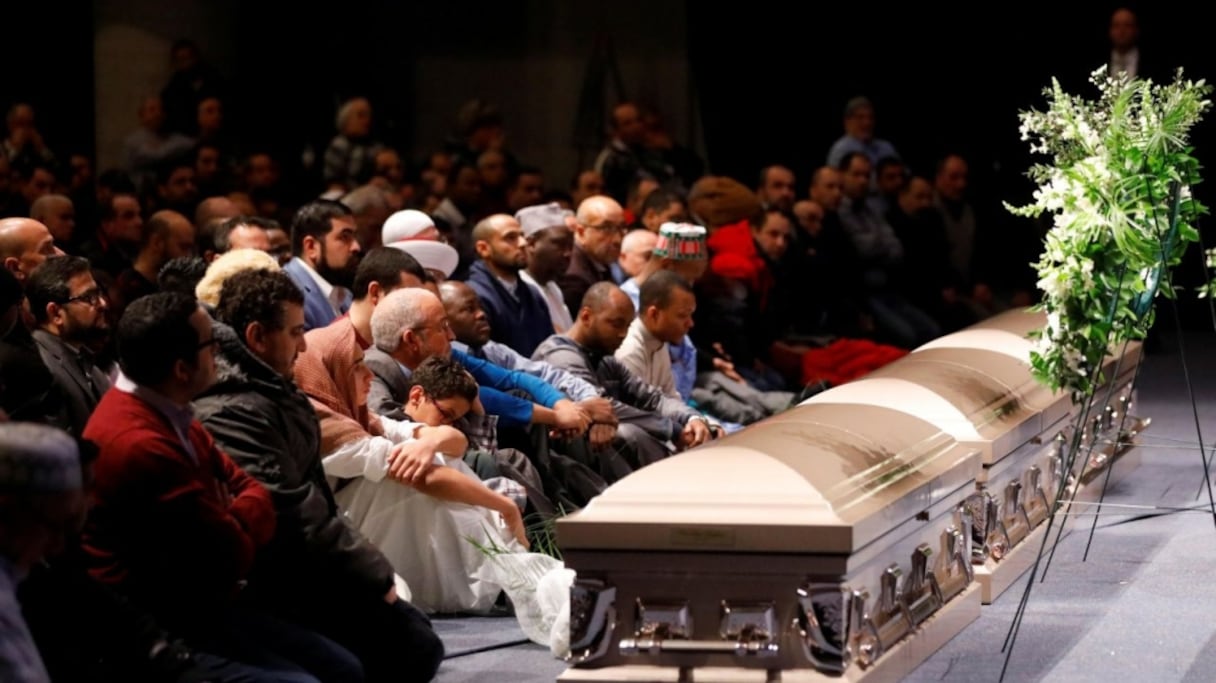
1119	189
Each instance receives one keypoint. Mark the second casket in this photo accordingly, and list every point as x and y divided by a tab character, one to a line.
1105	428
822	540
977	385
989	401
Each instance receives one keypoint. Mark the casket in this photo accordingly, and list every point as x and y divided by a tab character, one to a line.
827	541
976	385
1108	425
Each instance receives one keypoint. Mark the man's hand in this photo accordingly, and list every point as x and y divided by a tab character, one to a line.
695	433
570	415
391	596
599	410
515	523
601	435
728	368
409	462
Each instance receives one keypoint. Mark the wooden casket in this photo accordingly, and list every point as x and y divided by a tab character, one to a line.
828	541
977	385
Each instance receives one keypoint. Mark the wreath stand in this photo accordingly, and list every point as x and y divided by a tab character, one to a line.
1089	400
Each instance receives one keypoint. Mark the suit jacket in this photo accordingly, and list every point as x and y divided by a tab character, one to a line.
317	310
578	278
81	384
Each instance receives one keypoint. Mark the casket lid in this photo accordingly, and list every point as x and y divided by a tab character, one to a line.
816	479
1020	322
995	391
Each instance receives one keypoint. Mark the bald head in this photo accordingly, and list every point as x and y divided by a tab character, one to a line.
57	213
597	208
465	315
499	241
598	228
212	208
604	318
636	249
24	245
488	227
604	296
451	290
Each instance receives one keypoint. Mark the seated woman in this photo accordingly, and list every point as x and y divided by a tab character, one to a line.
428	524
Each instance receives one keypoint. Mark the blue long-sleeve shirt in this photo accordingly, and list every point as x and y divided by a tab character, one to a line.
496	382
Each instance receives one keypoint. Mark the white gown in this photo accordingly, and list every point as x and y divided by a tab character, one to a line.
429	542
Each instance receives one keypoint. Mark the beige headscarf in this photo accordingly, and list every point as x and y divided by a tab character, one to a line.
227	265
331	372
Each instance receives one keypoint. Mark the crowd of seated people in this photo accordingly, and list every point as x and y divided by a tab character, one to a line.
298	414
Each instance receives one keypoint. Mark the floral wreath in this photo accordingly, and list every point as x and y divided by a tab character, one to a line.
1120	191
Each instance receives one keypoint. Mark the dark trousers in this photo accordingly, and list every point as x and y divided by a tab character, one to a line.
253	637
394	642
209	668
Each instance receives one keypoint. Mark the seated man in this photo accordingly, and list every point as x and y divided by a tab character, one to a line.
565	479
550	244
175	524
425	332
664	319
650	421
473	333
375	460
70	311
267	425
519	316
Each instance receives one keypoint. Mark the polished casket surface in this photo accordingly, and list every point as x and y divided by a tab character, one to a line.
817	540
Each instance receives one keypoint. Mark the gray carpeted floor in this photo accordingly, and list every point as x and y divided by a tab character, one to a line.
1138	610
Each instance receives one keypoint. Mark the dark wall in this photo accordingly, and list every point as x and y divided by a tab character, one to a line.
774	83
46	59
941	80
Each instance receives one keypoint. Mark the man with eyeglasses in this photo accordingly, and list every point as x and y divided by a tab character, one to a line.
176	524
599	228
69	310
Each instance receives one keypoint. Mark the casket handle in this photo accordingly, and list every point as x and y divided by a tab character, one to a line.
1013	517
592	619
921	593
891	623
840	608
630	647
1038	511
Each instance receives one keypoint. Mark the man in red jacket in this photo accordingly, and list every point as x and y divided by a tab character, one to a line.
176	524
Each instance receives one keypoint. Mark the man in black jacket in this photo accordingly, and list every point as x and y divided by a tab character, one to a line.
318	570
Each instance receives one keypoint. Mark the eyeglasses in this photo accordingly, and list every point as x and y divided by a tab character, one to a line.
443	326
618	228
92	297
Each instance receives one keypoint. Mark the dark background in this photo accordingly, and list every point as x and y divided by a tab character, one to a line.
771	79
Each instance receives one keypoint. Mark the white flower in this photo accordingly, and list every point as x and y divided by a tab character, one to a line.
1102	208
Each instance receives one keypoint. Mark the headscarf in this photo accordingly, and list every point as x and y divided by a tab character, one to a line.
332	373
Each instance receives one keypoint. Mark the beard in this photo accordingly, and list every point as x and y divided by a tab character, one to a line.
339	277
91	336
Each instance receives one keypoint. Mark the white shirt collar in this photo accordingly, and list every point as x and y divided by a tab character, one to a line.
1129	61
334	295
